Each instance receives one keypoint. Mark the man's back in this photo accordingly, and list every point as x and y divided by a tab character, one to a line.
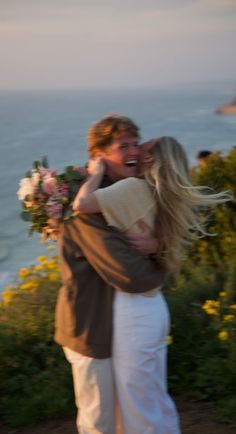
84	306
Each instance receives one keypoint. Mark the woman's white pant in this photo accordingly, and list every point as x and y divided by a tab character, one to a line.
141	327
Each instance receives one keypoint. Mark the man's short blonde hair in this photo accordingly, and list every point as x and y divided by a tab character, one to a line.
104	132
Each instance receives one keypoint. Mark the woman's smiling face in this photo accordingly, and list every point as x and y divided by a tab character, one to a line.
146	157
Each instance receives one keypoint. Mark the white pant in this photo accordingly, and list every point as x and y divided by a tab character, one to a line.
141	327
94	393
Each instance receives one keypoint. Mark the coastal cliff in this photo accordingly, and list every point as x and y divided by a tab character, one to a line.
227	109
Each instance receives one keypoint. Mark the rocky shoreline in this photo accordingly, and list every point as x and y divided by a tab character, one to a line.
227	109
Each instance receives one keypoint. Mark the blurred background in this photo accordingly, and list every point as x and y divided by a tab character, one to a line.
170	65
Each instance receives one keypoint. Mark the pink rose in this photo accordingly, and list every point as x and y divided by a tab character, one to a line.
63	189
47	172
54	209
49	185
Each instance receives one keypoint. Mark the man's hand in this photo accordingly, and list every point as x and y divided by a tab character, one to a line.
145	243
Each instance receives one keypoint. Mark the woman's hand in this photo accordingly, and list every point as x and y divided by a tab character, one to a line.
85	201
96	166
145	242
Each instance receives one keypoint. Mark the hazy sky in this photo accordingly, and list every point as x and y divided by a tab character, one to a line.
116	43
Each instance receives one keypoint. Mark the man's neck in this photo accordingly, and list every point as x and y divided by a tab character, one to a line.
106	181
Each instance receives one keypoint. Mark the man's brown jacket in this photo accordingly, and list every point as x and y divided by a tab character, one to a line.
95	260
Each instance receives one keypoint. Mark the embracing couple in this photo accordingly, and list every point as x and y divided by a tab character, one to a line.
136	210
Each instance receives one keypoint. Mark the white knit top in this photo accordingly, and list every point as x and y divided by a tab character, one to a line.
124	203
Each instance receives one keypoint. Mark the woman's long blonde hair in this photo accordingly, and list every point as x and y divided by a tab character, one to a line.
179	203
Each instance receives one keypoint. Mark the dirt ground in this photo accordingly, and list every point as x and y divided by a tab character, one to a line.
196	418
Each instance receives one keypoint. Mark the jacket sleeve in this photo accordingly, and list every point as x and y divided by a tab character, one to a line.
110	254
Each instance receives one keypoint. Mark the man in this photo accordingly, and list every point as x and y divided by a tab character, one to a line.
202	158
95	259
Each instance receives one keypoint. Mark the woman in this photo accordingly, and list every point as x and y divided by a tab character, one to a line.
164	198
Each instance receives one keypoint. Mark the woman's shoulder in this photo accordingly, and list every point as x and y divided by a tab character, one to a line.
126	189
135	188
132	182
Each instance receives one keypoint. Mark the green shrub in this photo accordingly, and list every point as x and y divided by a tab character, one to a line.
202	302
34	376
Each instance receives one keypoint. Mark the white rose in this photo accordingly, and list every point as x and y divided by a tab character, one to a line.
26	188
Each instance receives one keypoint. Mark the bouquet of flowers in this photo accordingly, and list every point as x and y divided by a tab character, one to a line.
46	196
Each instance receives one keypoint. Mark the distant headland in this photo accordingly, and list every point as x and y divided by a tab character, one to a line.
227	109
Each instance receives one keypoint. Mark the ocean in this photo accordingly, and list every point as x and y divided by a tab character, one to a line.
54	123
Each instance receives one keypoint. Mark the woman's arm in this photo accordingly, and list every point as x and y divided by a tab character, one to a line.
85	201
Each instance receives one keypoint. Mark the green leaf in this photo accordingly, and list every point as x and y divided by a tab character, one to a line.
36	164
45	162
26	216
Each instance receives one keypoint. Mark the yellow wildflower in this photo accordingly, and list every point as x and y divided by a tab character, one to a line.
228	317
169	340
223	294
50	265
233	306
42	259
50	248
38	268
211	307
23	273
211	311
223	335
53	277
8	296
9	289
31	285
